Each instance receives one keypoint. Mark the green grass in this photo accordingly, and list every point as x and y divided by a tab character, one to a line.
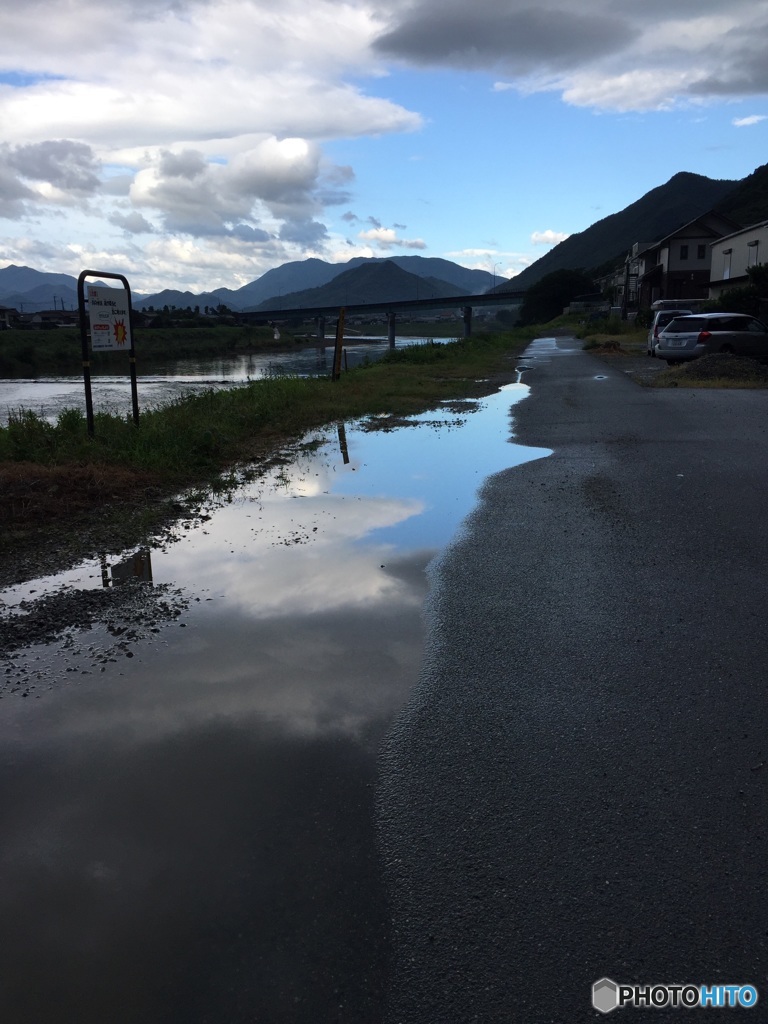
199	435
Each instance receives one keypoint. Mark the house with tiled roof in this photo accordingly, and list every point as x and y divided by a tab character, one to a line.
679	265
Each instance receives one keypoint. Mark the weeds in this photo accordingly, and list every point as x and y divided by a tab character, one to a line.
197	436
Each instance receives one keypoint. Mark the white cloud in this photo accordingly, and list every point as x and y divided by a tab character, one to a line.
548	237
215	122
387	238
745	122
506	264
206	120
132	223
601	55
185	73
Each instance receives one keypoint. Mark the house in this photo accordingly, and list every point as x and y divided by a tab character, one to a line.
621	283
678	266
731	255
47	319
8	316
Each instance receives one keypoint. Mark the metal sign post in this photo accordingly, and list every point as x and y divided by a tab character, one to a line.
108	321
339	345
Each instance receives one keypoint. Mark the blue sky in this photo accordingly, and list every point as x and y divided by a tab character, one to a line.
198	144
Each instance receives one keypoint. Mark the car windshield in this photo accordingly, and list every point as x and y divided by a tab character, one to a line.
664	318
687	324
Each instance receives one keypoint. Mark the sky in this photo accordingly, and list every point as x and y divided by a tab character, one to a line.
196	145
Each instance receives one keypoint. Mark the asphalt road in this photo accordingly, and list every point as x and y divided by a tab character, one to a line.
578	785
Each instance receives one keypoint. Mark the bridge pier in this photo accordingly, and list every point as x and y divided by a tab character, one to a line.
391	318
467	321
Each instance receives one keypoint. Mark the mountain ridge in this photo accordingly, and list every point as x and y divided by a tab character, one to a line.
369	282
653	216
50	290
656	214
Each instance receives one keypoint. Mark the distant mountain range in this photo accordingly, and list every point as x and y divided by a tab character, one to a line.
374	278
378	279
371	282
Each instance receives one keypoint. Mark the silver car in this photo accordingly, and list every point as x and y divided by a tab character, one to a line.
660	321
687	337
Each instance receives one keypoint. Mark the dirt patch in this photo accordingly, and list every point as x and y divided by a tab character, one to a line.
31	493
723	369
45	619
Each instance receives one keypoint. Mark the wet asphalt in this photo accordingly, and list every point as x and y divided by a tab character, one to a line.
578	785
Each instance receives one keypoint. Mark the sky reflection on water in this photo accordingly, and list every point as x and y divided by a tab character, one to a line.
189	827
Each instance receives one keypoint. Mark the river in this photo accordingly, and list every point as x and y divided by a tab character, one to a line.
48	396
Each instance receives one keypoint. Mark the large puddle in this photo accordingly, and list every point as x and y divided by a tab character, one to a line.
189	765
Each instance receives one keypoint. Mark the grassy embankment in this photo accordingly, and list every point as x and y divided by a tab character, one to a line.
55	472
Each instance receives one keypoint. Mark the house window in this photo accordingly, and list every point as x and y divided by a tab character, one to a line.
683	252
701	252
752	250
727	264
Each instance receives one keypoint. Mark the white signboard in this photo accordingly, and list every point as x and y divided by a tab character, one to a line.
110	319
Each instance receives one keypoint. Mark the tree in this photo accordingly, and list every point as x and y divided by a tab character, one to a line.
506	317
751	297
547	298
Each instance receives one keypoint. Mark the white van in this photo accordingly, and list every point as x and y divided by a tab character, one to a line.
660	320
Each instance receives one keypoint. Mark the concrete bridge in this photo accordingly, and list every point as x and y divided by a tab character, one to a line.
466	303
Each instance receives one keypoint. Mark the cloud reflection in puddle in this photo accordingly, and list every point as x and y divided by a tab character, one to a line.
193	819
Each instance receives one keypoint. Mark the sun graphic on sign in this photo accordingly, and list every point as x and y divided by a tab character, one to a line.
121	335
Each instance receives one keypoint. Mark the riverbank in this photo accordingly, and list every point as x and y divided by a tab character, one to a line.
64	497
26	353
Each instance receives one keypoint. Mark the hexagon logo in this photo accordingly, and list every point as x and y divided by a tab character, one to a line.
605	995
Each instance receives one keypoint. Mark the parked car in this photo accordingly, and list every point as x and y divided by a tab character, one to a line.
687	337
660	320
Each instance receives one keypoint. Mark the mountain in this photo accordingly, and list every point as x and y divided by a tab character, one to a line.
290	277
30	290
372	281
170	297
25	279
313	273
748	202
302	275
44	296
659	212
465	282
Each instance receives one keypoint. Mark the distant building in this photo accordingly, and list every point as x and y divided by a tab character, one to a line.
8	315
621	283
678	266
731	255
47	319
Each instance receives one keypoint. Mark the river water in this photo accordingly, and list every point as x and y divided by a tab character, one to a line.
189	776
48	396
